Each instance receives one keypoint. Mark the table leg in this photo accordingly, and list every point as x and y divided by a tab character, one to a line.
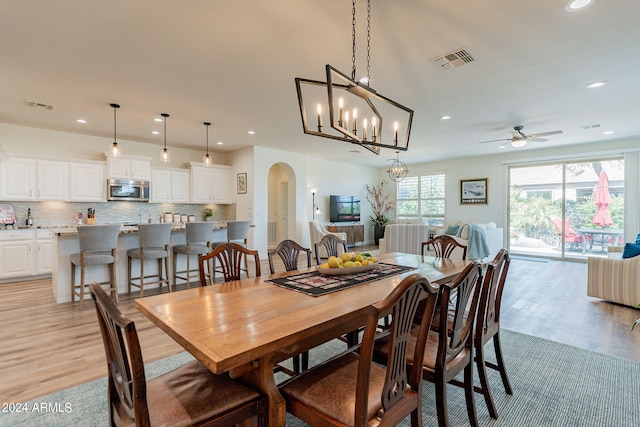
262	379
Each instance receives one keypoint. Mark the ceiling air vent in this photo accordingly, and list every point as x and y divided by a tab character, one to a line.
34	104
454	59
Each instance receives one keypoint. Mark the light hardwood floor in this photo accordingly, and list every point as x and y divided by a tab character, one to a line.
47	346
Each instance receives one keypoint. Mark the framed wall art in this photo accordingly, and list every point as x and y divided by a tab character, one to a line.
474	191
242	183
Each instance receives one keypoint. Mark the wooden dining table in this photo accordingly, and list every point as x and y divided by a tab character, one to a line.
244	328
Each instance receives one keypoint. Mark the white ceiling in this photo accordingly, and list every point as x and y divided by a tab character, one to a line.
233	63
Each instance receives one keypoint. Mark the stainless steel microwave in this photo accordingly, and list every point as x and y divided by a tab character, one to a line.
125	190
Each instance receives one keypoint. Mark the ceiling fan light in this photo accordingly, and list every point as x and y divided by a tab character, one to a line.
575	5
517	143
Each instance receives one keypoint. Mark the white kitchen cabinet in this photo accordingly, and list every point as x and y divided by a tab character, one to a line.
16	253
221	178
53	180
17	179
124	167
169	186
210	184
87	182
44	252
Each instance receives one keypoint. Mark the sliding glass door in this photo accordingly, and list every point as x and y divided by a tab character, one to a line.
567	209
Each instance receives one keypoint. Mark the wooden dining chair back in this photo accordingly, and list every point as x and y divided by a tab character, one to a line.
488	326
331	244
443	245
188	395
289	251
229	257
351	390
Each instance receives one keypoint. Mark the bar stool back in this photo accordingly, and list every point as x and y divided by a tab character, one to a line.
97	247
237	232
154	244
198	237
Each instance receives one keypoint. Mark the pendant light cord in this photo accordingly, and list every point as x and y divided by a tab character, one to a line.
353	39
368	42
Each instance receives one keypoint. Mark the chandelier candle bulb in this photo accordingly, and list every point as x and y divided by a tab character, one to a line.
340	112
364	129
395	133
374	123
355	121
319	118
346	120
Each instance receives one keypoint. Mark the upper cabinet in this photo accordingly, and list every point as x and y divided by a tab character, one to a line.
53	180
17	179
129	167
169	186
87	182
210	184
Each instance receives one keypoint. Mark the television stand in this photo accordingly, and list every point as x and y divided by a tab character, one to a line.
355	233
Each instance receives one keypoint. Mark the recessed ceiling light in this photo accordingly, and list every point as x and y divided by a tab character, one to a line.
575	5
157	119
609	132
155	132
593	85
83	121
445	117
219	143
251	132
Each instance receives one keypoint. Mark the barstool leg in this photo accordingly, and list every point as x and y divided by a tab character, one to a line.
175	268
166	267
114	281
188	270
141	276
81	286
73	282
129	274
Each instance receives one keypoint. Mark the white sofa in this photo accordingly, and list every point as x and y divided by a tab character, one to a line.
408	238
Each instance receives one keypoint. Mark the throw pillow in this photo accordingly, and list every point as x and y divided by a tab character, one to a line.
452	230
463	233
631	250
638	239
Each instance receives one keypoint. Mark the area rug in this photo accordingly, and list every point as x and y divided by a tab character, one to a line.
553	385
315	284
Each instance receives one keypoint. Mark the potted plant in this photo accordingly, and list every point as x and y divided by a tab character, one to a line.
208	214
380	205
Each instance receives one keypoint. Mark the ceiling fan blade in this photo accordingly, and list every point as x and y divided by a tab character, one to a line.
535	135
537	139
495	140
504	144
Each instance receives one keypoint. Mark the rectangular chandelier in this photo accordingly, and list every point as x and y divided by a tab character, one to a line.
356	113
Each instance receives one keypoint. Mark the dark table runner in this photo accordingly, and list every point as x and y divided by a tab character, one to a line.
315	284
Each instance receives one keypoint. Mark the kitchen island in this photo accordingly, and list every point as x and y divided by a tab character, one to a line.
65	243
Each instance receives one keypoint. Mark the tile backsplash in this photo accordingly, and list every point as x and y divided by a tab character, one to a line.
61	214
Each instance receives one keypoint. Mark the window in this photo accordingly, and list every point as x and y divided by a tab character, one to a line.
422	197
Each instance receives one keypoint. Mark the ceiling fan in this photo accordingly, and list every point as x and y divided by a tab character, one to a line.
519	138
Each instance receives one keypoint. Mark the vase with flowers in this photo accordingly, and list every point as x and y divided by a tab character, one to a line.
380	205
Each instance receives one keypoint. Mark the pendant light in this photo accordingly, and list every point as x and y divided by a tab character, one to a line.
164	155
398	170
114	149
206	159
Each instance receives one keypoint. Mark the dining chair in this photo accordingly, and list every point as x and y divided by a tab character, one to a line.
488	326
349	389
97	247
331	245
229	255
188	395
154	245
237	232
448	352
198	241
443	245
289	251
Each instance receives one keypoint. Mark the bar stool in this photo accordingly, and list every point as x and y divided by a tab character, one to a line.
198	243
237	232
154	244
97	247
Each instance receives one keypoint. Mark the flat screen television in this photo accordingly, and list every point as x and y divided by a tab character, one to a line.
344	208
